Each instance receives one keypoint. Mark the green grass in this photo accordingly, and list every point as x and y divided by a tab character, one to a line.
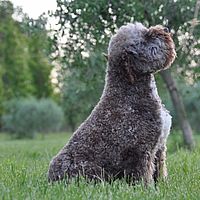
24	164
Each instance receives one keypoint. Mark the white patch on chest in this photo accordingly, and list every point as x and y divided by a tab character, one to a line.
154	89
164	114
166	123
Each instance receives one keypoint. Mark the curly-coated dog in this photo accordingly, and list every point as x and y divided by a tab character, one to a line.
125	135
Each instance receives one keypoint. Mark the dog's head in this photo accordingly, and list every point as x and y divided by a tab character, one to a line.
144	50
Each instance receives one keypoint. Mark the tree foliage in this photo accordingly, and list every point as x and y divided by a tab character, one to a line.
39	47
16	75
25	64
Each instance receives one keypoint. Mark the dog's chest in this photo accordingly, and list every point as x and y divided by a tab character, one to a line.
164	114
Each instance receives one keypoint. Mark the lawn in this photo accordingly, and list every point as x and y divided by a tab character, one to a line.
24	164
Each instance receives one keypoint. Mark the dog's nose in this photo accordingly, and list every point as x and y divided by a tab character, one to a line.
166	29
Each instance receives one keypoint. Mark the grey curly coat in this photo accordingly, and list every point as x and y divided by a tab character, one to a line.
125	135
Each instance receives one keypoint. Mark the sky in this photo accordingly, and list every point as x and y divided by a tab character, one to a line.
34	8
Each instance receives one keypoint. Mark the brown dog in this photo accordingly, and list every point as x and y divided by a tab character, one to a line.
125	135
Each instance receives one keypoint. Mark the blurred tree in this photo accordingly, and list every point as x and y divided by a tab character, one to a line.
191	96
16	78
82	86
39	48
25	49
88	25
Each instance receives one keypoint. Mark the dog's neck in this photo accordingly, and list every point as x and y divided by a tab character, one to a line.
128	91
119	77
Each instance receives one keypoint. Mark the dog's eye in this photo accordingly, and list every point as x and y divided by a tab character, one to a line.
166	29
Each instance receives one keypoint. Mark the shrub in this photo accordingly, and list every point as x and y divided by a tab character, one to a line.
26	117
51	116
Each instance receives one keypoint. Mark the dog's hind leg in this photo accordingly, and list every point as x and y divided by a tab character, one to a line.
160	164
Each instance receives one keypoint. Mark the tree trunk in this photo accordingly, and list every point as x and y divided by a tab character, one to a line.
179	108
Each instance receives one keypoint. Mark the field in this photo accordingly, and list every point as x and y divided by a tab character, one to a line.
24	163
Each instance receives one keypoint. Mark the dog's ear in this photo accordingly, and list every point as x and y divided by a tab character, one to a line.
131	50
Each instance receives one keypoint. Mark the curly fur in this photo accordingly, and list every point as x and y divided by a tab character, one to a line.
125	134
